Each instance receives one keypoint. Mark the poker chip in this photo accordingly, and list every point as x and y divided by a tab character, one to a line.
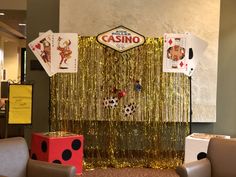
129	109
106	102
111	102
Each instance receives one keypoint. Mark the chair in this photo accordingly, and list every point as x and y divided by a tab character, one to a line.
15	162
220	161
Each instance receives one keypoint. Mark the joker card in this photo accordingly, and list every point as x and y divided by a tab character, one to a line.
64	52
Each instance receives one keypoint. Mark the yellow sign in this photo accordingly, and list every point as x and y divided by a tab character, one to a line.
20	104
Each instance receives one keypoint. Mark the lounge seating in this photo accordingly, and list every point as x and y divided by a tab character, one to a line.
15	162
220	161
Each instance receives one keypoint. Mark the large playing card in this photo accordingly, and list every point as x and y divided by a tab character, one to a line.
174	55
64	52
41	47
195	50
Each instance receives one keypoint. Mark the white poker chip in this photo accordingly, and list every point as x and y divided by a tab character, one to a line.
129	109
111	102
106	102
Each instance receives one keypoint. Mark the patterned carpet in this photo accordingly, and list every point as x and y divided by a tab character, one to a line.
129	172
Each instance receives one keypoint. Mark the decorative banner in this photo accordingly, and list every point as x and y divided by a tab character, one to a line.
121	39
130	112
181	52
20	104
56	52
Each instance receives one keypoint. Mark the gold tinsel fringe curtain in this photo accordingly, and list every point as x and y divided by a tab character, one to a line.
129	111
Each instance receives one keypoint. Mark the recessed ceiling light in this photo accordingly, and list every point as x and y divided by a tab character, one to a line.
22	24
1	13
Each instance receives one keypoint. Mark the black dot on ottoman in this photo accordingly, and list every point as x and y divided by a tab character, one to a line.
66	155
34	157
44	146
76	144
56	161
201	155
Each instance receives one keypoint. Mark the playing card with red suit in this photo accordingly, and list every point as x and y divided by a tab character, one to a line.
41	47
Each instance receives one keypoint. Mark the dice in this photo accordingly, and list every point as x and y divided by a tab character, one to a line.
58	147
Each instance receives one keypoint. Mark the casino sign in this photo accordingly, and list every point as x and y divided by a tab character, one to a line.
121	39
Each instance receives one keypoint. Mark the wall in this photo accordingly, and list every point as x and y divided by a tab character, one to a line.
226	89
1	54
226	86
153	19
41	16
10	45
13	4
11	60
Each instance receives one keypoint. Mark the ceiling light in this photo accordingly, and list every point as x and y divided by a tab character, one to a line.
22	24
1	13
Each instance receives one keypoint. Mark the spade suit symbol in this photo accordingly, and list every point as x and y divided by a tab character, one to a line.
190	53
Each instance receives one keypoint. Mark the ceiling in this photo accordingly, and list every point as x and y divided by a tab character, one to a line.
9	22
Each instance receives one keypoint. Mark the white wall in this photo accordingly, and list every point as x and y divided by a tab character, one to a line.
11	60
11	47
153	18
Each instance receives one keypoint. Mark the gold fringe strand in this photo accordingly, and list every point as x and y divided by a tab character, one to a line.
152	136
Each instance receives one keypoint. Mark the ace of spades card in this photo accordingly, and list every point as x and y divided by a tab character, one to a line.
41	47
175	53
64	52
196	48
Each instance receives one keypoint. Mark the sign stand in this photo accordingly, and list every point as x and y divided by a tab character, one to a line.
190	105
6	118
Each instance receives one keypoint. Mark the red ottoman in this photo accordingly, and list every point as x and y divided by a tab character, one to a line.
58	147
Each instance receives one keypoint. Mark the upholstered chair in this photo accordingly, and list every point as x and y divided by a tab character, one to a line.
220	161
15	162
